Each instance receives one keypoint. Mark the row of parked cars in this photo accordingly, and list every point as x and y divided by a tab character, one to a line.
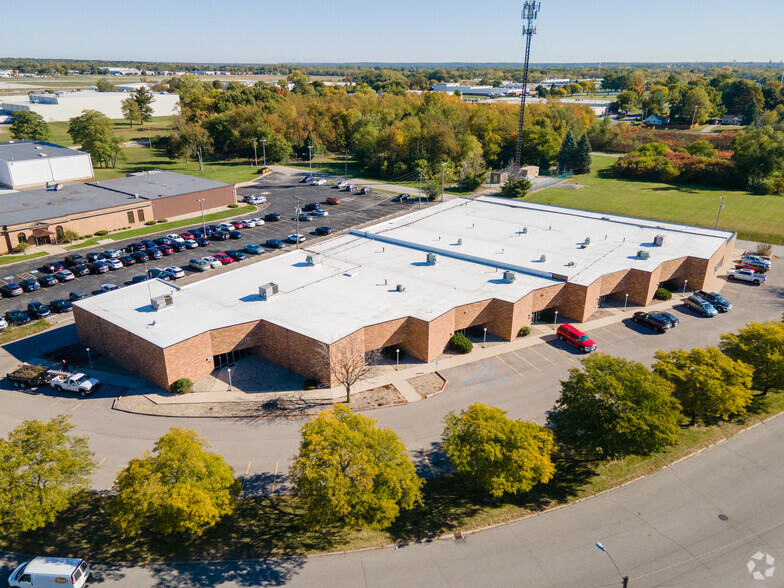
342	185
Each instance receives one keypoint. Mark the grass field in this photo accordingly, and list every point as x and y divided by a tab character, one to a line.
6	259
12	333
756	218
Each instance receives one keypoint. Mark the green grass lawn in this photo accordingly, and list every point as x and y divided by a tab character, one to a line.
12	333
6	259
756	218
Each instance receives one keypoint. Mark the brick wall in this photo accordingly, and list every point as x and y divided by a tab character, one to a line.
189	203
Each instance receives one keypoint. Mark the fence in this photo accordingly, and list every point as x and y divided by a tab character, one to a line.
541	183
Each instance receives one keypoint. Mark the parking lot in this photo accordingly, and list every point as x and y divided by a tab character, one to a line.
284	193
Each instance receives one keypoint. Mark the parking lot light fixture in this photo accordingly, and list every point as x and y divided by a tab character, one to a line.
89	358
264	151
230	379
397	359
604	549
685	282
626	301
203	224
555	320
484	338
310	158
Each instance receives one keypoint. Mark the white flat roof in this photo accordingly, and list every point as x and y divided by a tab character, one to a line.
355	284
52	565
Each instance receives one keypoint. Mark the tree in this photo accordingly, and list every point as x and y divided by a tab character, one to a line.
93	131
186	139
130	110
516	186
29	126
183	489
567	154
702	148
350	472
349	363
541	91
758	152
42	468
501	455
144	99
707	382
761	346
614	407
752	113
582	159
104	85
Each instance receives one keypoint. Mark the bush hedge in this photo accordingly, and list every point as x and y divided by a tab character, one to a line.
460	343
150	223
311	384
234	205
525	331
663	294
182	386
21	247
101	233
162	220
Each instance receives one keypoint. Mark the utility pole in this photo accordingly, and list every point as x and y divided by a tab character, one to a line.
255	156
529	14
203	225
310	158
201	163
296	215
420	190
264	150
346	152
719	215
693	116
443	170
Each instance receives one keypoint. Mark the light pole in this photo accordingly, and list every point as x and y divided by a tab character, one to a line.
443	171
229	378
624	578
346	161
721	205
310	158
420	190
484	338
296	215
625	302
89	358
255	154
264	151
555	320
684	285
397	359
203	225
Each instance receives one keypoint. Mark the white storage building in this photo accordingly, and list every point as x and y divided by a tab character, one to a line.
24	164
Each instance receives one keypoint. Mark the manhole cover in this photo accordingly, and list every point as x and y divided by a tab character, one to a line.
723	517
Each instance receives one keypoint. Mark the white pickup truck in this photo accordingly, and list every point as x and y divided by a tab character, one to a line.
84	385
746	275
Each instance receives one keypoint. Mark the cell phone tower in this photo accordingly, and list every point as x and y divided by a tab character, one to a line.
529	14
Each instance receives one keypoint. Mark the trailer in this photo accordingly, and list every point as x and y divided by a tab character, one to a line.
29	376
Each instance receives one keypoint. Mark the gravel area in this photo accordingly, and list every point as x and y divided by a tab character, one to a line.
427	384
377	397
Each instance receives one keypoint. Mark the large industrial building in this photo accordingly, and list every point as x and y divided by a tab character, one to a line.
25	164
407	283
40	217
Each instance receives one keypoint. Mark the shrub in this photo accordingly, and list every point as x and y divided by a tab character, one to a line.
20	248
525	331
68	236
162	220
662	294
101	233
150	223
311	384
460	343
182	386
234	205
764	249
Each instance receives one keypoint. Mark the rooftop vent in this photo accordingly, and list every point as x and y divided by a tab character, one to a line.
524	231
509	276
658	240
38	147
571	264
605	218
160	302
314	258
432	258
268	290
543	258
460	241
400	288
641	254
42	155
587	240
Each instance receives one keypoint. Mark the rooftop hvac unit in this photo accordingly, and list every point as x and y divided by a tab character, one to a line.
658	240
314	258
460	241
159	302
643	254
400	288
509	276
571	264
432	258
524	231
543	258
587	240
268	290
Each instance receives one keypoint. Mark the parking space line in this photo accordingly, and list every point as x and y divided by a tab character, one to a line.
537	368
56	401
542	356
100	462
509	365
78	405
624	339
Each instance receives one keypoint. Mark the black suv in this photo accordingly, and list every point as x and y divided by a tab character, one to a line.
272	217
717	300
323	230
657	322
312	206
74	259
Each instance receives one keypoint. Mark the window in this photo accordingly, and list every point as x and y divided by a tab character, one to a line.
22	238
130	217
140	214
224	359
59	231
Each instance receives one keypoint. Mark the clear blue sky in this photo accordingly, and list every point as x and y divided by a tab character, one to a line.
261	31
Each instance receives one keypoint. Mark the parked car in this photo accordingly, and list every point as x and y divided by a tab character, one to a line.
109	287
717	300
235	255
202	241
575	337
753	265
223	258
351	188
311	206
50	571
366	190
200	265
319	212
29	285
700	305
214	263
319	182
48	281
138	279
401	198
153	253
100	267
254	248
148	243
127	260
174	237
274	244
73	259
333	200
746	275
12	289
157	274
187	235
174	272
219	236
137	246
165	249
656	321
51	267
272	217
80	270
227	227
61	305
672	318
114	264
191	244
179	246
17	317
140	256
77	295
323	231
306	180
294	238
210	229
111	254
94	256
235	235
258	221
756	259
305	218
241	224
38	310
64	275
340	185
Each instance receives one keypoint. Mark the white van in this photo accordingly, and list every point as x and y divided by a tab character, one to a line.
50	572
